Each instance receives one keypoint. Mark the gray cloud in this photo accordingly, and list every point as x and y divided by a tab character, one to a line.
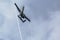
41	13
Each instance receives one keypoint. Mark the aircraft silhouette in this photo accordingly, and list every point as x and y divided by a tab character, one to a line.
21	16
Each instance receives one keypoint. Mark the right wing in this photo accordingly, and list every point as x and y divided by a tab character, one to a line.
17	7
27	19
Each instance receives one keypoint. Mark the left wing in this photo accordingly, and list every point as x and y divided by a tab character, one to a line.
17	7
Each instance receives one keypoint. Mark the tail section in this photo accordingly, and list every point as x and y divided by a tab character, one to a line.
21	19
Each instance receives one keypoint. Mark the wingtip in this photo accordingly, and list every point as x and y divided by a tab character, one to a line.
15	3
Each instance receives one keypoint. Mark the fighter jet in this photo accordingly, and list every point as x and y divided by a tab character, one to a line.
21	16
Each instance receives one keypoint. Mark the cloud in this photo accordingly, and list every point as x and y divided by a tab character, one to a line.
41	26
8	26
43	15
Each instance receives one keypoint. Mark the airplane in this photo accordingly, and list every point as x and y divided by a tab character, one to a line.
21	16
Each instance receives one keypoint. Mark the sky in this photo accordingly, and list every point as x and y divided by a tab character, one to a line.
44	16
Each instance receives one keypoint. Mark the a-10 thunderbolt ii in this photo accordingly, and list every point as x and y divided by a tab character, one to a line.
21	16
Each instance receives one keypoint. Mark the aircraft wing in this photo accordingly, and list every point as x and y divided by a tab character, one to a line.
17	7
27	19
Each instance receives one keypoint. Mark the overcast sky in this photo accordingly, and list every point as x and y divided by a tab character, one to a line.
44	16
